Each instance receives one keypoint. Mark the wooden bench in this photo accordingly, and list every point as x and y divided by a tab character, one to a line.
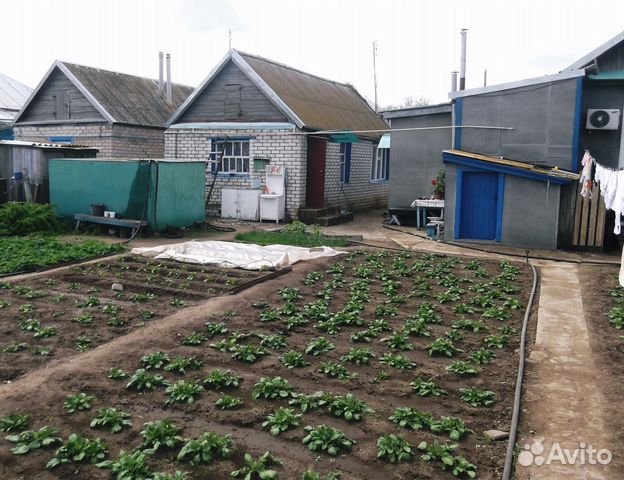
113	222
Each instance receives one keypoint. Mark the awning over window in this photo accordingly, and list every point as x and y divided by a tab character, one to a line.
344	138
385	141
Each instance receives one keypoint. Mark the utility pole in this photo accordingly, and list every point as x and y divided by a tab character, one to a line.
375	71
229	39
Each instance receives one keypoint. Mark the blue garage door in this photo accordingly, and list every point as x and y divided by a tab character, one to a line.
479	200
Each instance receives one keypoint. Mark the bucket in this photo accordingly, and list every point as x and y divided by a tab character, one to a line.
97	209
18	176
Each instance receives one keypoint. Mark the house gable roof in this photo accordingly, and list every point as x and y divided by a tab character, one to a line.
118	97
308	101
13	94
588	59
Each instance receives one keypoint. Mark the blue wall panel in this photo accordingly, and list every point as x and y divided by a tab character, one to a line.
479	205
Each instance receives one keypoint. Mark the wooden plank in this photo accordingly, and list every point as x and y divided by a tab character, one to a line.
119	222
584	221
600	220
578	206
593	214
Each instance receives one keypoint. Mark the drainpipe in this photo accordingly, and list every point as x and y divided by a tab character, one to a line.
161	84
462	60
169	94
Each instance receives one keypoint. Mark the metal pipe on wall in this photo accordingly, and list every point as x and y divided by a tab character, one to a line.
462	60
161	84
454	81
169	89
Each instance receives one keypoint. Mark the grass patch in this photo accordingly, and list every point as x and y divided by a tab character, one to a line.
297	239
21	254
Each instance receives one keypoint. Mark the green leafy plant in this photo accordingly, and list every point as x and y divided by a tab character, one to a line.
117	374
475	326
248	353
30	440
358	356
82	343
141	380
14	422
79	449
290	294
21	219
411	418
461	367
216	328
398	361
349	407
79	402
129	466
281	420
311	475
294	359
319	345
442	346
272	387
327	439
111	417
462	467
272	342
482	356
176	302
142	297
463	308
194	339
160	434
436	451
386	311
498	313
155	360
476	397
507	330
46	332
84	320
399	341
221	380
258	469
427	388
454	427
15	347
363	336
177	475
30	325
512	304
227	402
206	448
335	370
394	448
496	341
417	328
183	392
181	364
311	402
313	278
91	301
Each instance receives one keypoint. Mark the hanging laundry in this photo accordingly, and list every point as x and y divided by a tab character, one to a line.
586	175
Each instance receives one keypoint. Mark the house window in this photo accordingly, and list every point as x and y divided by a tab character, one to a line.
345	162
381	164
235	155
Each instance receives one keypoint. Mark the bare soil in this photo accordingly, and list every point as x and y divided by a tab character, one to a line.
41	392
79	303
607	345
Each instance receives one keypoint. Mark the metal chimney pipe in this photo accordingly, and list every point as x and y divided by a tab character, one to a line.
462	60
161	83
454	81
169	91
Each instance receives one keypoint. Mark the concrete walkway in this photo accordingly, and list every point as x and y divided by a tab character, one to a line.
563	399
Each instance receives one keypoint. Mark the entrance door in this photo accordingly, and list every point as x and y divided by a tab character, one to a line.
315	181
479	205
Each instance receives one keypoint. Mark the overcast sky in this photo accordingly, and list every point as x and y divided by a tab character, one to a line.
418	41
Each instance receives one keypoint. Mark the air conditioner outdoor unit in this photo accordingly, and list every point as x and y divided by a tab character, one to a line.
603	119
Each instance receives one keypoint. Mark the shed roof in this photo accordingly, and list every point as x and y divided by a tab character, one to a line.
588	59
307	100
511	167
120	98
13	95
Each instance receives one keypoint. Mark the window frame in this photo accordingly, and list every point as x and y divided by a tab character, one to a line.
380	169
237	162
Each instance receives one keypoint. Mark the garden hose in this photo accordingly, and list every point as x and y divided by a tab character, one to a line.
520	378
147	192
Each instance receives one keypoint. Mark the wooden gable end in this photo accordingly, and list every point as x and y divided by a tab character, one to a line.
231	97
58	100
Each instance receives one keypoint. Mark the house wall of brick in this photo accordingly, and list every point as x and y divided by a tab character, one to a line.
113	140
361	193
281	147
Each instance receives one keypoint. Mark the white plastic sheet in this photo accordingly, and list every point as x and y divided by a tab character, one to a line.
235	255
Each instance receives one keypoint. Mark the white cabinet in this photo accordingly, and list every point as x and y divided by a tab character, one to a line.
272	207
240	204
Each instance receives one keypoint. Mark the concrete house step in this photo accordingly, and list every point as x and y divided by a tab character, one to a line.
325	216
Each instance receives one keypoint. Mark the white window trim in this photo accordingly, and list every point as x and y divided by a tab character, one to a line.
238	161
379	165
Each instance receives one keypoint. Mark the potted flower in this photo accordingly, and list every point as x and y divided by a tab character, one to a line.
438	184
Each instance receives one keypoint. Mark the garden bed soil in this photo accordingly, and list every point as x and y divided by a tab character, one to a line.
58	300
606	343
45	389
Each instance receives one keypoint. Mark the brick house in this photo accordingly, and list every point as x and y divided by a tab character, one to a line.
267	113
122	115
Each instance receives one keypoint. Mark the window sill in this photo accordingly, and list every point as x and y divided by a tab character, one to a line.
233	175
381	180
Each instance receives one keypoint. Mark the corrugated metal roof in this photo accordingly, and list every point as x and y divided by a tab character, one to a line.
320	104
46	146
13	95
127	98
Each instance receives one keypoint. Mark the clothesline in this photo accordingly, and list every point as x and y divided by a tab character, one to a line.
611	184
